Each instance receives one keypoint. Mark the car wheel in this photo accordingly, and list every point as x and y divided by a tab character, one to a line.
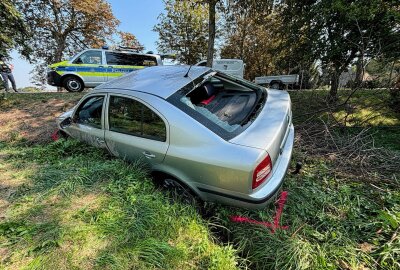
275	85
179	191
73	84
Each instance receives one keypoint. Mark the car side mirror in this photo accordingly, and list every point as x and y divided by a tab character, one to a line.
78	61
66	122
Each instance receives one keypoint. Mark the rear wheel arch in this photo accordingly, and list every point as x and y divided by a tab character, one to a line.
159	176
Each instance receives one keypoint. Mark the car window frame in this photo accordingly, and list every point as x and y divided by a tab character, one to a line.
154	110
83	100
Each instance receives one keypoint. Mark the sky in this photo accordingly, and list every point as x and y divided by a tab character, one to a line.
136	16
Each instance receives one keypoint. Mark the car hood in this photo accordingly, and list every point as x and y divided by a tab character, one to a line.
62	63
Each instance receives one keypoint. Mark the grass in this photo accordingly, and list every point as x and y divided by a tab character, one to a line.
69	206
364	108
75	206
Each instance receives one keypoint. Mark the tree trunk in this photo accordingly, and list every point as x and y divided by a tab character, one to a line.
334	85
359	72
211	31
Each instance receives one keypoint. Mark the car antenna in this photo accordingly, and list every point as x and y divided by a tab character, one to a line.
187	73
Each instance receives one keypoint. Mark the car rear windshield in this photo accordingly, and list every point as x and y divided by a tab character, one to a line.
225	104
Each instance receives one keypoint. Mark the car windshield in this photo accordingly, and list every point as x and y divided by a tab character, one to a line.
225	104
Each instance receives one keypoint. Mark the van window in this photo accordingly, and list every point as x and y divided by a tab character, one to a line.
90	57
126	59
130	116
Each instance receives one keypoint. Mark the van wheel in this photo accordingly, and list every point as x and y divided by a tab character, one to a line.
73	84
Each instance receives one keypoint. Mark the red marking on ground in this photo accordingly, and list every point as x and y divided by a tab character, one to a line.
272	225
55	136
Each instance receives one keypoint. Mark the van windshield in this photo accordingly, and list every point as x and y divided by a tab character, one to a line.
225	104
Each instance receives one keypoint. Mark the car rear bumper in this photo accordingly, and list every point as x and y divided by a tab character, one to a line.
261	198
53	78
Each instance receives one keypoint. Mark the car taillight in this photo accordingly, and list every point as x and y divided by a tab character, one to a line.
262	171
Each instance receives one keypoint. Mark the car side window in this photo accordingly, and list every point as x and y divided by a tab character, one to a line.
130	116
90	111
89	57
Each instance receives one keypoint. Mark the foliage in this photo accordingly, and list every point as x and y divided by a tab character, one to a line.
183	30
130	41
250	36
338	32
13	30
61	28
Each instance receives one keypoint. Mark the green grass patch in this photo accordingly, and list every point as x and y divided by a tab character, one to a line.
81	207
365	107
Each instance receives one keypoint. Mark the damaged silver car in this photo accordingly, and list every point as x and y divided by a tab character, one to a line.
203	132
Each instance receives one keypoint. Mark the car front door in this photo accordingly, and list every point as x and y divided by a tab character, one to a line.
88	121
89	65
135	130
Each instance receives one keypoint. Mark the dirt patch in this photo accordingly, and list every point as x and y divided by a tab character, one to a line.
31	117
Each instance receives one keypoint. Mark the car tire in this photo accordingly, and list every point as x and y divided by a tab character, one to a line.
73	84
275	85
180	192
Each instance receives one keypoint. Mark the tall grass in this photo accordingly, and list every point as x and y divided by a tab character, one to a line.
127	224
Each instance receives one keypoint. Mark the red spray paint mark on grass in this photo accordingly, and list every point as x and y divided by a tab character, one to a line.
55	135
272	225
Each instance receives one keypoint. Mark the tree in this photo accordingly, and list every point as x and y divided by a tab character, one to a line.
129	40
61	28
12	30
183	30
250	35
340	32
211	31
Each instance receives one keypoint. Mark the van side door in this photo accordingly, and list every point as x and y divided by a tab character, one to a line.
119	63
89	66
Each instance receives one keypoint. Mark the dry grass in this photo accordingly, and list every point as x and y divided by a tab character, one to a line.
32	119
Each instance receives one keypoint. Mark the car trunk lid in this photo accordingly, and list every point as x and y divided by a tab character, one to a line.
270	129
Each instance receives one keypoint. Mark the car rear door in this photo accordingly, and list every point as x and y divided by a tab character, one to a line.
88	121
135	130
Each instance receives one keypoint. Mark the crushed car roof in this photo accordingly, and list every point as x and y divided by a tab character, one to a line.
162	81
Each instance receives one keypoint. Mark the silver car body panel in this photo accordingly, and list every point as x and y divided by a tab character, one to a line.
161	81
214	168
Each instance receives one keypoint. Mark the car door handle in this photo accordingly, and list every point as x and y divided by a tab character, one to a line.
148	155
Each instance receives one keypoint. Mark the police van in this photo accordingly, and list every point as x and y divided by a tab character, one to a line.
93	67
